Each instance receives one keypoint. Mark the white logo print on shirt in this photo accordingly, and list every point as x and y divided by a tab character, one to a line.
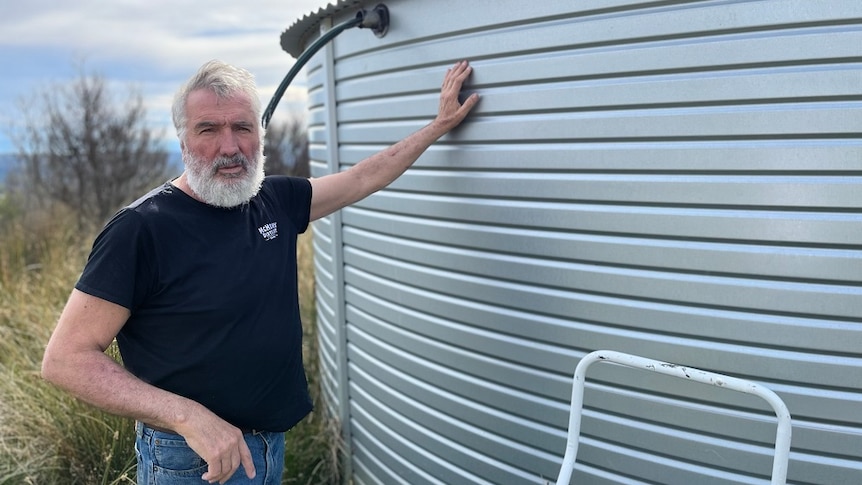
269	231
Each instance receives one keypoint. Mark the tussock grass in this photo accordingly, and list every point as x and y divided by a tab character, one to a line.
314	447
48	437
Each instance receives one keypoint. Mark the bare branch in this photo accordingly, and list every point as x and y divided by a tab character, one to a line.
83	149
286	148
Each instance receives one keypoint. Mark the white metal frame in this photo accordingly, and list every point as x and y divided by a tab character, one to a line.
782	437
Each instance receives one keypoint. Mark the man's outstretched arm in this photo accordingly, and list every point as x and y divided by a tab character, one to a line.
335	191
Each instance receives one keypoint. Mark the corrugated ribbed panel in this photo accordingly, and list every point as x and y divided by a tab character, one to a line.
678	180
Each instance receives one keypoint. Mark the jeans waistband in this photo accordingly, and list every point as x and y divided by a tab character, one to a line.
141	427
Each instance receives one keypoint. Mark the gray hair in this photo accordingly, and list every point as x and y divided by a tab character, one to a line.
221	78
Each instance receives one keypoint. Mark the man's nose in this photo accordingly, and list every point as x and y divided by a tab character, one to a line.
228	144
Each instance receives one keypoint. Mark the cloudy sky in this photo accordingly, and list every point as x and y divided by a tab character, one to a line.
152	46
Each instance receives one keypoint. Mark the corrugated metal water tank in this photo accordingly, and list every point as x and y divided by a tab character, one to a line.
680	180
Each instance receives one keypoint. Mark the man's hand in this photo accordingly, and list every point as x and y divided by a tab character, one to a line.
451	111
220	444
335	191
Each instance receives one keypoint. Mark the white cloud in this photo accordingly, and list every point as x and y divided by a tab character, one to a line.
176	35
154	45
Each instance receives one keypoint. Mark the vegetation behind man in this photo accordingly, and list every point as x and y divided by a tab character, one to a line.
84	151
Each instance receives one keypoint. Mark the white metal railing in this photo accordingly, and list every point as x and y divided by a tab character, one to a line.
782	436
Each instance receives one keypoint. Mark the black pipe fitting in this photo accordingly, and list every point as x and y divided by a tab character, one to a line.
376	19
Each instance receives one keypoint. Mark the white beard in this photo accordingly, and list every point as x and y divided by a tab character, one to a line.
219	190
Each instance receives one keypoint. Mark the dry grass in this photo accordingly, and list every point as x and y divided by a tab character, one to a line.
47	437
313	447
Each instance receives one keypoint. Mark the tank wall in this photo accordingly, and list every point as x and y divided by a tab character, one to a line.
677	180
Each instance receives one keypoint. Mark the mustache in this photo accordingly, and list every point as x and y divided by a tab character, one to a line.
238	159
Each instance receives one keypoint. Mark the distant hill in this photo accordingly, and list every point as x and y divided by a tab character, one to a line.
8	162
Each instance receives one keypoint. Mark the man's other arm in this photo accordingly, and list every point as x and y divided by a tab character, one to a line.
75	361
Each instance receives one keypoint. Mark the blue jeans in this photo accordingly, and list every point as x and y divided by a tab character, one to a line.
166	459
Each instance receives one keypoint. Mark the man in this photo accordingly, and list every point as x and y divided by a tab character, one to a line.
197	282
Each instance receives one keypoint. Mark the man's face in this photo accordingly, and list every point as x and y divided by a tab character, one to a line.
222	150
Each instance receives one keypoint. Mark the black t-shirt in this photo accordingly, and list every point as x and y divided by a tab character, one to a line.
213	299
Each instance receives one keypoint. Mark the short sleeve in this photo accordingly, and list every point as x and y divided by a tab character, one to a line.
118	268
294	194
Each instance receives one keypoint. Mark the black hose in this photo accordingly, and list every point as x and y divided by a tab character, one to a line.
300	63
